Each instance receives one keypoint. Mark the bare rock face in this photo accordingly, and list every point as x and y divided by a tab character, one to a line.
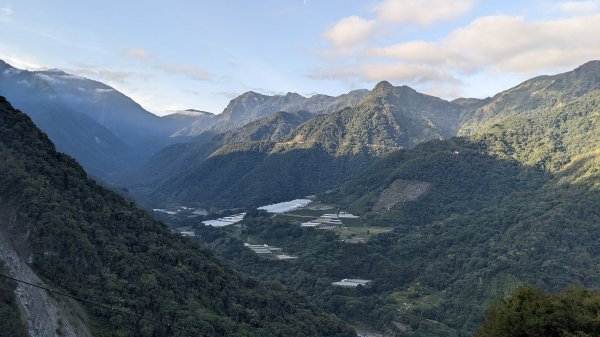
44	315
401	191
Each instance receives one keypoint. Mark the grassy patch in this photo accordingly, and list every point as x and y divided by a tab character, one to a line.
359	234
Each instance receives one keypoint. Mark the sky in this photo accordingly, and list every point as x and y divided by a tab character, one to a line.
173	55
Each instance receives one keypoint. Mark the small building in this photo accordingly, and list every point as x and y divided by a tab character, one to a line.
310	224
347	215
285	257
351	282
187	233
329	216
269	251
225	221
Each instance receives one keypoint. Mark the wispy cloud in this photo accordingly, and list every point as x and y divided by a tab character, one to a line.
6	14
18	59
137	53
578	7
108	75
194	72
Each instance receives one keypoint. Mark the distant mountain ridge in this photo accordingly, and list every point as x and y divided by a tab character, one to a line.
184	118
290	155
540	92
387	119
252	106
104	129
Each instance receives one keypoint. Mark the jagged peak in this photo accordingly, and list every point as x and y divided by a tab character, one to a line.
383	86
293	94
249	93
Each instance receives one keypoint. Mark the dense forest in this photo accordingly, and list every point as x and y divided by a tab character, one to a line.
515	203
92	243
532	312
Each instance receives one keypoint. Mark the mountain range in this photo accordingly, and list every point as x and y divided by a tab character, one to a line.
513	200
104	129
479	195
294	158
252	106
61	229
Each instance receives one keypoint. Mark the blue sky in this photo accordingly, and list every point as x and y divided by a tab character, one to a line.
170	55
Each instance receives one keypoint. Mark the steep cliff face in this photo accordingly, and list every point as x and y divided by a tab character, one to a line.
45	316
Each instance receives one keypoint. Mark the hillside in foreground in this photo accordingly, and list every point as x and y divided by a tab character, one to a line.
78	237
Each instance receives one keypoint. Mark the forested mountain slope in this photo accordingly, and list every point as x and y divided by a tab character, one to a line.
104	129
533	96
92	243
516	202
388	118
261	163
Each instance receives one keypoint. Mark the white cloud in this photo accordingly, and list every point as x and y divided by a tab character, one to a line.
422	13
354	33
499	44
18	59
349	32
512	44
578	7
421	52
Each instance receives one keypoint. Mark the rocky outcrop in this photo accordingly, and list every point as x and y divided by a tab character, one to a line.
44	315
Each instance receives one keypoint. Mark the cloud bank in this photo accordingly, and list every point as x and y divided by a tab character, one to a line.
501	44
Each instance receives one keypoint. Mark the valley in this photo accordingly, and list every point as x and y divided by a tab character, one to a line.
409	214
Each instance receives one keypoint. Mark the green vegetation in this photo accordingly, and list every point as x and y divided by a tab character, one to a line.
275	159
256	173
92	243
271	128
531	312
515	202
387	119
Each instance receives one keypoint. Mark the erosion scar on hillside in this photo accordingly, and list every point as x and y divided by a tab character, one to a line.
401	191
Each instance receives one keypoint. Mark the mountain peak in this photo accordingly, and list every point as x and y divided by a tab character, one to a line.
383	86
4	65
249	94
